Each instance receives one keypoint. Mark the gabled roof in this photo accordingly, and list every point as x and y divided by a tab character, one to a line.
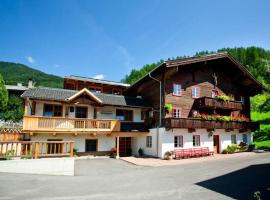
100	81
64	95
191	60
81	92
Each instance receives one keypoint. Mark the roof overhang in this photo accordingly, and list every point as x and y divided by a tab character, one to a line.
84	92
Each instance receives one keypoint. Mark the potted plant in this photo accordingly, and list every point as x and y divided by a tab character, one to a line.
168	107
168	155
140	151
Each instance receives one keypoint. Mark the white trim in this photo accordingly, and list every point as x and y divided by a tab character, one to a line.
84	90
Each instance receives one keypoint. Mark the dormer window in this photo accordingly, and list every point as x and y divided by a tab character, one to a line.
195	92
177	89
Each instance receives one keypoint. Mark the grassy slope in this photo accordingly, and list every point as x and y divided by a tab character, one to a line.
14	73
263	144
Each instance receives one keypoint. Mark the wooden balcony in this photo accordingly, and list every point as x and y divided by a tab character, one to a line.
215	103
72	125
190	123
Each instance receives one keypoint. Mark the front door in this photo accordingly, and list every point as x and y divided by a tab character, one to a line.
90	145
124	146
216	143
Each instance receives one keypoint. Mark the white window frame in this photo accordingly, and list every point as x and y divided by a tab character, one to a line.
195	92
177	112
177	89
149	141
196	140
233	139
178	141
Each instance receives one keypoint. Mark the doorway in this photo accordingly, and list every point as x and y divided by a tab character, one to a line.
124	146
216	143
90	145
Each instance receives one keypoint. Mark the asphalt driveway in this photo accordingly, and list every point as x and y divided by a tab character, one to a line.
235	178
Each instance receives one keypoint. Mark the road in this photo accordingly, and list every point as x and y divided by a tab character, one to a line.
233	178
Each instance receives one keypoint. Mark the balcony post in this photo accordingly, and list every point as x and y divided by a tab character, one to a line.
117	147
36	150
71	149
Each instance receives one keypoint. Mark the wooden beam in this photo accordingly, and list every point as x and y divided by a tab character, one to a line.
117	147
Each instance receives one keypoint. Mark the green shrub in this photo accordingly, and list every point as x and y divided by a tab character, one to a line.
251	147
223	98
140	151
231	148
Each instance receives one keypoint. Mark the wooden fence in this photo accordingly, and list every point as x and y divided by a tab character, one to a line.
31	149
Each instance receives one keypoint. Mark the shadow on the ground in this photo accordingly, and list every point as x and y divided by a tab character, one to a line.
242	184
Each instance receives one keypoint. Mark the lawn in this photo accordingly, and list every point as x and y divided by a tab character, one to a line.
263	144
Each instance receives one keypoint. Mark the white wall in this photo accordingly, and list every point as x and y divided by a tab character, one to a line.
166	139
105	143
49	166
100	114
140	142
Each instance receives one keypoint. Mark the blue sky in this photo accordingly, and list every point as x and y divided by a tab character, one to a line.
110	37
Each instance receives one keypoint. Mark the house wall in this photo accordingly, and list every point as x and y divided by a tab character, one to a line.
102	112
105	143
166	139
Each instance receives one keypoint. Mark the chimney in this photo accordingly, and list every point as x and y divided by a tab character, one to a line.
30	83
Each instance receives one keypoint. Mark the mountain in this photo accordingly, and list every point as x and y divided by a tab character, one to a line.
14	73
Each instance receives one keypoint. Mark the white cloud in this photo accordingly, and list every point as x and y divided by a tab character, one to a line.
56	65
99	76
30	59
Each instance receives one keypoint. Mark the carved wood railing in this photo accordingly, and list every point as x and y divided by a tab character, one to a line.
31	149
60	124
215	103
208	124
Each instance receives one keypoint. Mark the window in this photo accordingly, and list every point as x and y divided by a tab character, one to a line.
149	141
239	98
81	112
196	141
233	139
177	89
176	113
245	138
178	141
51	110
214	93
95	89
195	92
143	114
124	115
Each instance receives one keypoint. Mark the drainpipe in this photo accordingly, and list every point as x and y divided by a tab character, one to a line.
160	108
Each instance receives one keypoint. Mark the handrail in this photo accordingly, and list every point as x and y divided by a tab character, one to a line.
35	149
215	103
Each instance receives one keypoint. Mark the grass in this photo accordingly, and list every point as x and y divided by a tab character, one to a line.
263	144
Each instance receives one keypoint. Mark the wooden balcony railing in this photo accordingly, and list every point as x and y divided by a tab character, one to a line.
208	124
215	103
30	149
60	124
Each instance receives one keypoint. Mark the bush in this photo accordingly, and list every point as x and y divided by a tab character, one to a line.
251	147
231	148
223	98
140	151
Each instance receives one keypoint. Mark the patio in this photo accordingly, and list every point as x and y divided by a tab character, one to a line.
156	162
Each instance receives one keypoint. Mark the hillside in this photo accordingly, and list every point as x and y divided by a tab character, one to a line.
14	73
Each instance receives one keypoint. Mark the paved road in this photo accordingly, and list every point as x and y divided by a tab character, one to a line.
235	178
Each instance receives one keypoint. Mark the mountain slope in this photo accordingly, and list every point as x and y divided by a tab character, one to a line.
14	73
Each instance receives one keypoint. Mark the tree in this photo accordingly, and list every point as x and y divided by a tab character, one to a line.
3	94
14	110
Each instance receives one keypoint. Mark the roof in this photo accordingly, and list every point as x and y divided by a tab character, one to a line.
195	59
56	94
100	81
16	87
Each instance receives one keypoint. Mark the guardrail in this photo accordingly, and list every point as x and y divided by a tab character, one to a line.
215	103
31	149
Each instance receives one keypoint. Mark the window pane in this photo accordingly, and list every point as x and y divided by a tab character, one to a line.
57	111
48	110
124	115
81	112
177	89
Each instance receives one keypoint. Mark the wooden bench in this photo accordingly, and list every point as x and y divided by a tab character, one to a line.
192	152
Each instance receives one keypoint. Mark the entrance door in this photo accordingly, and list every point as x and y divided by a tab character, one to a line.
216	143
90	145
124	146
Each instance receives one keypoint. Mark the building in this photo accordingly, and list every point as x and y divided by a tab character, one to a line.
94	85
194	102
19	88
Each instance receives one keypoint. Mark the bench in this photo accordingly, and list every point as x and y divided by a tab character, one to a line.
192	152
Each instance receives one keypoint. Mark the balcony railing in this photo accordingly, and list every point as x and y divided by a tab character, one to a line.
60	124
215	103
208	124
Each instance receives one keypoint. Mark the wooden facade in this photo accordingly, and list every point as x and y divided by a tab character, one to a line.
73	84
222	75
